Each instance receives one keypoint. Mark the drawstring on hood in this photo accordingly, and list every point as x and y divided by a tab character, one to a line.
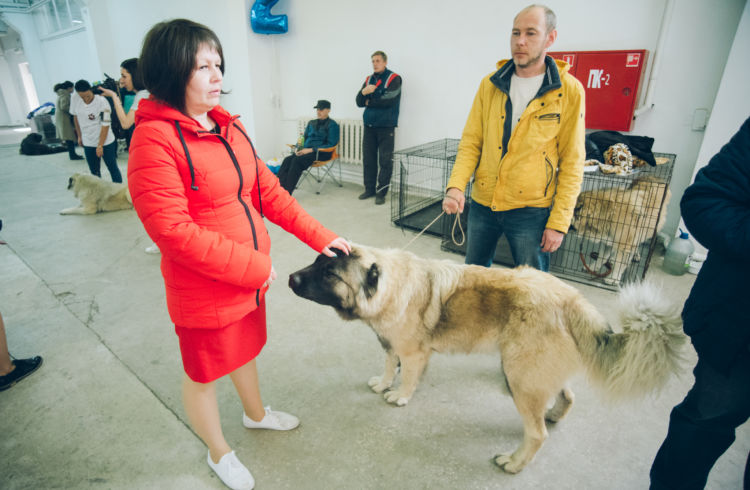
192	170
187	154
257	172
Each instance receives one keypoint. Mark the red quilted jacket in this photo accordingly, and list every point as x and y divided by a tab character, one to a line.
200	196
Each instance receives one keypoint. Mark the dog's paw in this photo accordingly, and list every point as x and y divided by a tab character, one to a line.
396	397
507	463
377	384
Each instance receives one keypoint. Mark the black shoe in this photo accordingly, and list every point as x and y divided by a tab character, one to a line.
24	367
76	157
366	195
380	199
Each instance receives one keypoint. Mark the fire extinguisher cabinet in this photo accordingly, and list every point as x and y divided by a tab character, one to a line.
611	80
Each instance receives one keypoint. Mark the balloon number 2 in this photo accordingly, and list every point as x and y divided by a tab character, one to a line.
263	22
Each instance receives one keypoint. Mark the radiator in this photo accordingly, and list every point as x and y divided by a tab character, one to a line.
350	139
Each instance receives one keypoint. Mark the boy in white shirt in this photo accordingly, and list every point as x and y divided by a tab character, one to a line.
93	114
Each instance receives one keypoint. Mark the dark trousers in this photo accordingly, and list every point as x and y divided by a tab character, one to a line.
292	167
110	160
71	145
702	427
523	227
377	159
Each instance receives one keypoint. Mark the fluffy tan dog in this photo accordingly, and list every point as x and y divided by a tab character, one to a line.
97	195
544	329
620	219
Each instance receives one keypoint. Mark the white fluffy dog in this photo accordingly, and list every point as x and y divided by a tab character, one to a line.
97	195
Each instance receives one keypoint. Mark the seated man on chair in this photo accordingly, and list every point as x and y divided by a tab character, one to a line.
322	132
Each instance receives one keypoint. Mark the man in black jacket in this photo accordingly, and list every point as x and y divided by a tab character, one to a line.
380	95
716	210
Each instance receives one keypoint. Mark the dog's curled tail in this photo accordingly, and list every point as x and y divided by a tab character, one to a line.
647	353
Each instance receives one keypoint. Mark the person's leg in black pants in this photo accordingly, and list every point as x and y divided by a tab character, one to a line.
92	160
385	161
110	160
295	165
72	151
369	161
702	427
284	169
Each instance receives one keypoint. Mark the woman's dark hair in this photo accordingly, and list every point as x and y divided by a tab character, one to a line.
168	56
131	66
66	85
82	86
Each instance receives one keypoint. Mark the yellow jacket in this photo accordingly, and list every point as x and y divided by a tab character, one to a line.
541	163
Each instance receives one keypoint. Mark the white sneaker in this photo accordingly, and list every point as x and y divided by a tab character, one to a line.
272	420
232	472
152	249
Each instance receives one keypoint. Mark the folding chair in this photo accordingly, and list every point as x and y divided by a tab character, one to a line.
320	169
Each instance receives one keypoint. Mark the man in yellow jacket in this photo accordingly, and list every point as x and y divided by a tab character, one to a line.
524	144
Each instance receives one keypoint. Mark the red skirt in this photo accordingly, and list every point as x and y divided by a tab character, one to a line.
210	353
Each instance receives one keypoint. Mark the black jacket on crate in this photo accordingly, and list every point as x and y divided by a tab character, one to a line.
381	106
716	210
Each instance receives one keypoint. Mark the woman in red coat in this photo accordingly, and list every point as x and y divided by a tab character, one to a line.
201	192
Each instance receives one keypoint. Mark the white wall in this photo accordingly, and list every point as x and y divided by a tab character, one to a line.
442	49
13	109
69	56
119	28
732	106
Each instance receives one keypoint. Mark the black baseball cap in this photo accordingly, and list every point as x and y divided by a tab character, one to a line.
322	104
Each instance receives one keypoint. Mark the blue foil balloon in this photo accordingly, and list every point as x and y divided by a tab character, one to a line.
263	22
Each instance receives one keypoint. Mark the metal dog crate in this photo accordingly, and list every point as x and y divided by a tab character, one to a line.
417	193
418	184
580	250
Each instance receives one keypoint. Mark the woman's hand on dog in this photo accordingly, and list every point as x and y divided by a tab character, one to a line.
454	201
340	244
271	278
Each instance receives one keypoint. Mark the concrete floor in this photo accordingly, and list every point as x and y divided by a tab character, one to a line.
105	409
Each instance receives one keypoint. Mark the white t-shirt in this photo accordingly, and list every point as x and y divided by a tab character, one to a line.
522	91
91	118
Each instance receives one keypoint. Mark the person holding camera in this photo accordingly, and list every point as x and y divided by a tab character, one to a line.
130	81
93	115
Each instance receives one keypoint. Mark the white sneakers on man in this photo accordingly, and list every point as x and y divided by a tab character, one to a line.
273	420
232	472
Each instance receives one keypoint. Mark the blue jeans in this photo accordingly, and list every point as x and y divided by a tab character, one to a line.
110	160
522	227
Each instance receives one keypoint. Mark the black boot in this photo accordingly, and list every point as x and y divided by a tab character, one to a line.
72	151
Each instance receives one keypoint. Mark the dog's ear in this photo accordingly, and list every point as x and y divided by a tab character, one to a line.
70	183
371	283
